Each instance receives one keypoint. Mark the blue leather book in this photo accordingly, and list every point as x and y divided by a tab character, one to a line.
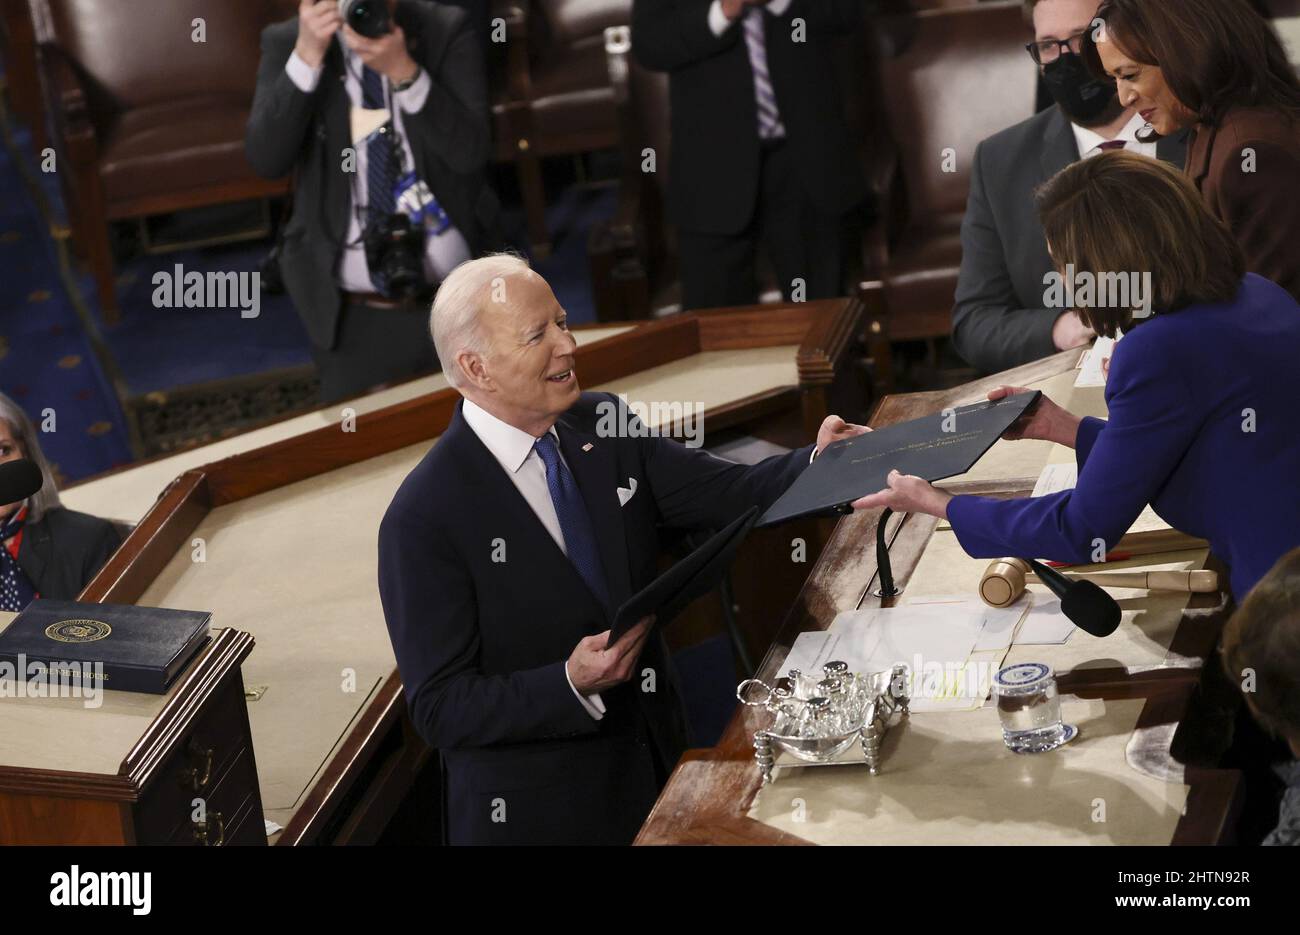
141	649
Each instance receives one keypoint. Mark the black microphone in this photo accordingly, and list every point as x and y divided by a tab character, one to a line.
1089	608
19	480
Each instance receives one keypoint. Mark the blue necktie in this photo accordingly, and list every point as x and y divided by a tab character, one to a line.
575	524
16	590
380	164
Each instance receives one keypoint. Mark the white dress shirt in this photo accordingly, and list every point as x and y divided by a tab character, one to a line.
1089	141
718	21
514	451
443	252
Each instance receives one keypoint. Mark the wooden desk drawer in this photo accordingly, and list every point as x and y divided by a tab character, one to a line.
199	762
228	805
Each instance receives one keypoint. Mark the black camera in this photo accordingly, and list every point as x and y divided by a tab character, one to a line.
395	250
367	18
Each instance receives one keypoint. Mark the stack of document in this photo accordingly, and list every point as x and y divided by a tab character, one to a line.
951	646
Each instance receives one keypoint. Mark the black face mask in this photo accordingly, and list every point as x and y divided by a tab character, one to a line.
1083	97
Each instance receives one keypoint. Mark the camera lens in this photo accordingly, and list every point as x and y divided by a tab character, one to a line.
368	18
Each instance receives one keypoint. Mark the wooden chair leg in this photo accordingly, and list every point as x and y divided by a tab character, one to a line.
101	267
876	339
528	168
93	230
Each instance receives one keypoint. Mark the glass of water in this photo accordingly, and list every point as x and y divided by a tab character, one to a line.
1030	709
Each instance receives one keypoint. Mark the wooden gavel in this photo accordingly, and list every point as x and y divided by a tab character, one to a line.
1005	579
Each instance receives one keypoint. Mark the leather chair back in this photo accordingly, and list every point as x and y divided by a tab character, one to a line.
950	78
136	53
575	22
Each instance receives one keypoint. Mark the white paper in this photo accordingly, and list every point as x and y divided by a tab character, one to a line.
365	122
1044	625
1055	478
996	625
1090	366
934	640
1064	476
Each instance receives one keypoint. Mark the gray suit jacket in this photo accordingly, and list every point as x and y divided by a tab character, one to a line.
998	320
449	138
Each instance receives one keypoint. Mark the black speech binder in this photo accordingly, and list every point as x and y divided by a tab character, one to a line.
696	574
936	446
140	649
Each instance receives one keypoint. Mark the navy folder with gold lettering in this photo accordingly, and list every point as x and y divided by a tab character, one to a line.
140	649
936	446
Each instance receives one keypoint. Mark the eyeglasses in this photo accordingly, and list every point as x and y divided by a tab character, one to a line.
1049	50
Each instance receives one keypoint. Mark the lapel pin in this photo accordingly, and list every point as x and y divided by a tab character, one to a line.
587	447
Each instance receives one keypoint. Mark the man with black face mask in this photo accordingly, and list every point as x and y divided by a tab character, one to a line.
999	319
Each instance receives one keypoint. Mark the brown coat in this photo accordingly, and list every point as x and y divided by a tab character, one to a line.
1262	208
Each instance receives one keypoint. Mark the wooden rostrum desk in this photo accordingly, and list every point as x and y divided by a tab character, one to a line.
947	778
132	769
288	535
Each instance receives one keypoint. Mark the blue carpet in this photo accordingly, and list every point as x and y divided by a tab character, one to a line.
161	348
47	362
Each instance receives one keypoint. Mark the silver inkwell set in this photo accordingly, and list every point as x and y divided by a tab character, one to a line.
816	718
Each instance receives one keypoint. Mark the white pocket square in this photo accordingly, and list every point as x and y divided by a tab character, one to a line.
625	493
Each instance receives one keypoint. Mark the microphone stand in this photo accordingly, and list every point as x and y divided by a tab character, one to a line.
883	567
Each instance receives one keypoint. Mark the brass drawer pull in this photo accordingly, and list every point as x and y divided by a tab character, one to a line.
194	777
202	834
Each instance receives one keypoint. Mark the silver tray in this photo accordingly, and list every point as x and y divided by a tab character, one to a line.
887	695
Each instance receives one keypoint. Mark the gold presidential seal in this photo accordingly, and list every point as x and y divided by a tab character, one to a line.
78	631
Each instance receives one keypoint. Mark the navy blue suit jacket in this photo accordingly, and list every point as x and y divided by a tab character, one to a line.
481	644
1203	426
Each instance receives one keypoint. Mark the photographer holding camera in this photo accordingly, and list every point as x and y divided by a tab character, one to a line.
381	107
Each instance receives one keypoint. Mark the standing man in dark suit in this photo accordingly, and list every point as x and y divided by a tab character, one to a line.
378	130
998	317
505	554
761	150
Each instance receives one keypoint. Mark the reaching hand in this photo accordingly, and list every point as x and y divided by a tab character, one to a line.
593	668
1070	332
733	8
1044	420
836	429
317	24
907	493
386	55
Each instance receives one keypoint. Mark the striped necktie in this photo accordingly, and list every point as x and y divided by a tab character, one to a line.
381	168
575	523
769	116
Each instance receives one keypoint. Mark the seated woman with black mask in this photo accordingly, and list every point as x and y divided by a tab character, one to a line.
45	550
